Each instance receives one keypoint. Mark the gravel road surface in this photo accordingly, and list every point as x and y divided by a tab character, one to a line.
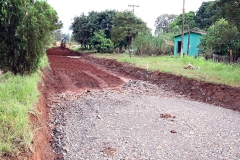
141	121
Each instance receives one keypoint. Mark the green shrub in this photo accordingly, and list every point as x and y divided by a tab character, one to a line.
100	43
221	37
25	28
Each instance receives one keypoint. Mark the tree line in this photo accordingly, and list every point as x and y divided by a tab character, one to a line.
107	30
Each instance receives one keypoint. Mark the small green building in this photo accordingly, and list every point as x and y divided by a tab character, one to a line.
193	37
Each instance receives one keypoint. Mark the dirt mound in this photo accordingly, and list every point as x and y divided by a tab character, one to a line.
61	52
217	94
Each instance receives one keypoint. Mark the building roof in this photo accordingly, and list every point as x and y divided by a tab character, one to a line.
198	32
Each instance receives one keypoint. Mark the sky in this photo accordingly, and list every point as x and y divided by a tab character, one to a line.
148	10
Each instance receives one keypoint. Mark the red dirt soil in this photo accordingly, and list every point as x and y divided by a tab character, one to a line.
70	73
67	73
82	72
42	137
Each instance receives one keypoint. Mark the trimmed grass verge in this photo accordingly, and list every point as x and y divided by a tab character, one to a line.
204	70
18	96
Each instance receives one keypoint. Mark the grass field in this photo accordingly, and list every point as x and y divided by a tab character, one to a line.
18	96
205	70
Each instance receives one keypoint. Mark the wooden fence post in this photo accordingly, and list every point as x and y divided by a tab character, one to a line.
231	57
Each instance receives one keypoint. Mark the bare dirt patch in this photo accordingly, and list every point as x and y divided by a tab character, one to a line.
71	73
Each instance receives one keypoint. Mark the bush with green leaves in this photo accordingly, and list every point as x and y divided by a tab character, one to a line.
100	43
221	37
25	28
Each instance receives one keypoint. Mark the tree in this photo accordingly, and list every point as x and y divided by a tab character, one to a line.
221	37
175	26
204	15
162	22
101	43
81	30
229	10
189	19
126	26
105	19
25	30
84	26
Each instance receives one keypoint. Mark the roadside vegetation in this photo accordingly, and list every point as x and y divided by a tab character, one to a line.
207	71
25	31
18	97
17	101
147	44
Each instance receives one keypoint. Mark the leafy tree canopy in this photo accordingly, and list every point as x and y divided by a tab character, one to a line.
204	15
126	26
189	19
25	29
84	26
174	28
221	37
229	10
162	22
176	25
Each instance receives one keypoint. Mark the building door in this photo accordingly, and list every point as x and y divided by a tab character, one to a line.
179	46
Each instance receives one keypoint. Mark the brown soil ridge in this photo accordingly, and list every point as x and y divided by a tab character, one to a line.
211	93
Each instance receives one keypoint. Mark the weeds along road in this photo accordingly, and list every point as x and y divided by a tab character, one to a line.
95	114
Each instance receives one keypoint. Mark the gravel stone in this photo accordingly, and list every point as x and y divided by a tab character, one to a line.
138	122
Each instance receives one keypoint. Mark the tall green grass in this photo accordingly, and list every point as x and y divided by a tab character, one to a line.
147	44
18	97
205	70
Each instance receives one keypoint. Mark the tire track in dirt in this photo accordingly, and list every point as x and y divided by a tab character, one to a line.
68	73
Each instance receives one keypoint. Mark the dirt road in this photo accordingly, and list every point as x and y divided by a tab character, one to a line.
71	73
98	114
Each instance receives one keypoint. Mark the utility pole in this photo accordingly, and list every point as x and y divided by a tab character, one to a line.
131	50
69	39
182	44
133	7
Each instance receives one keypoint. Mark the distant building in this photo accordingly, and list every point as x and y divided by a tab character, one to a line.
193	45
